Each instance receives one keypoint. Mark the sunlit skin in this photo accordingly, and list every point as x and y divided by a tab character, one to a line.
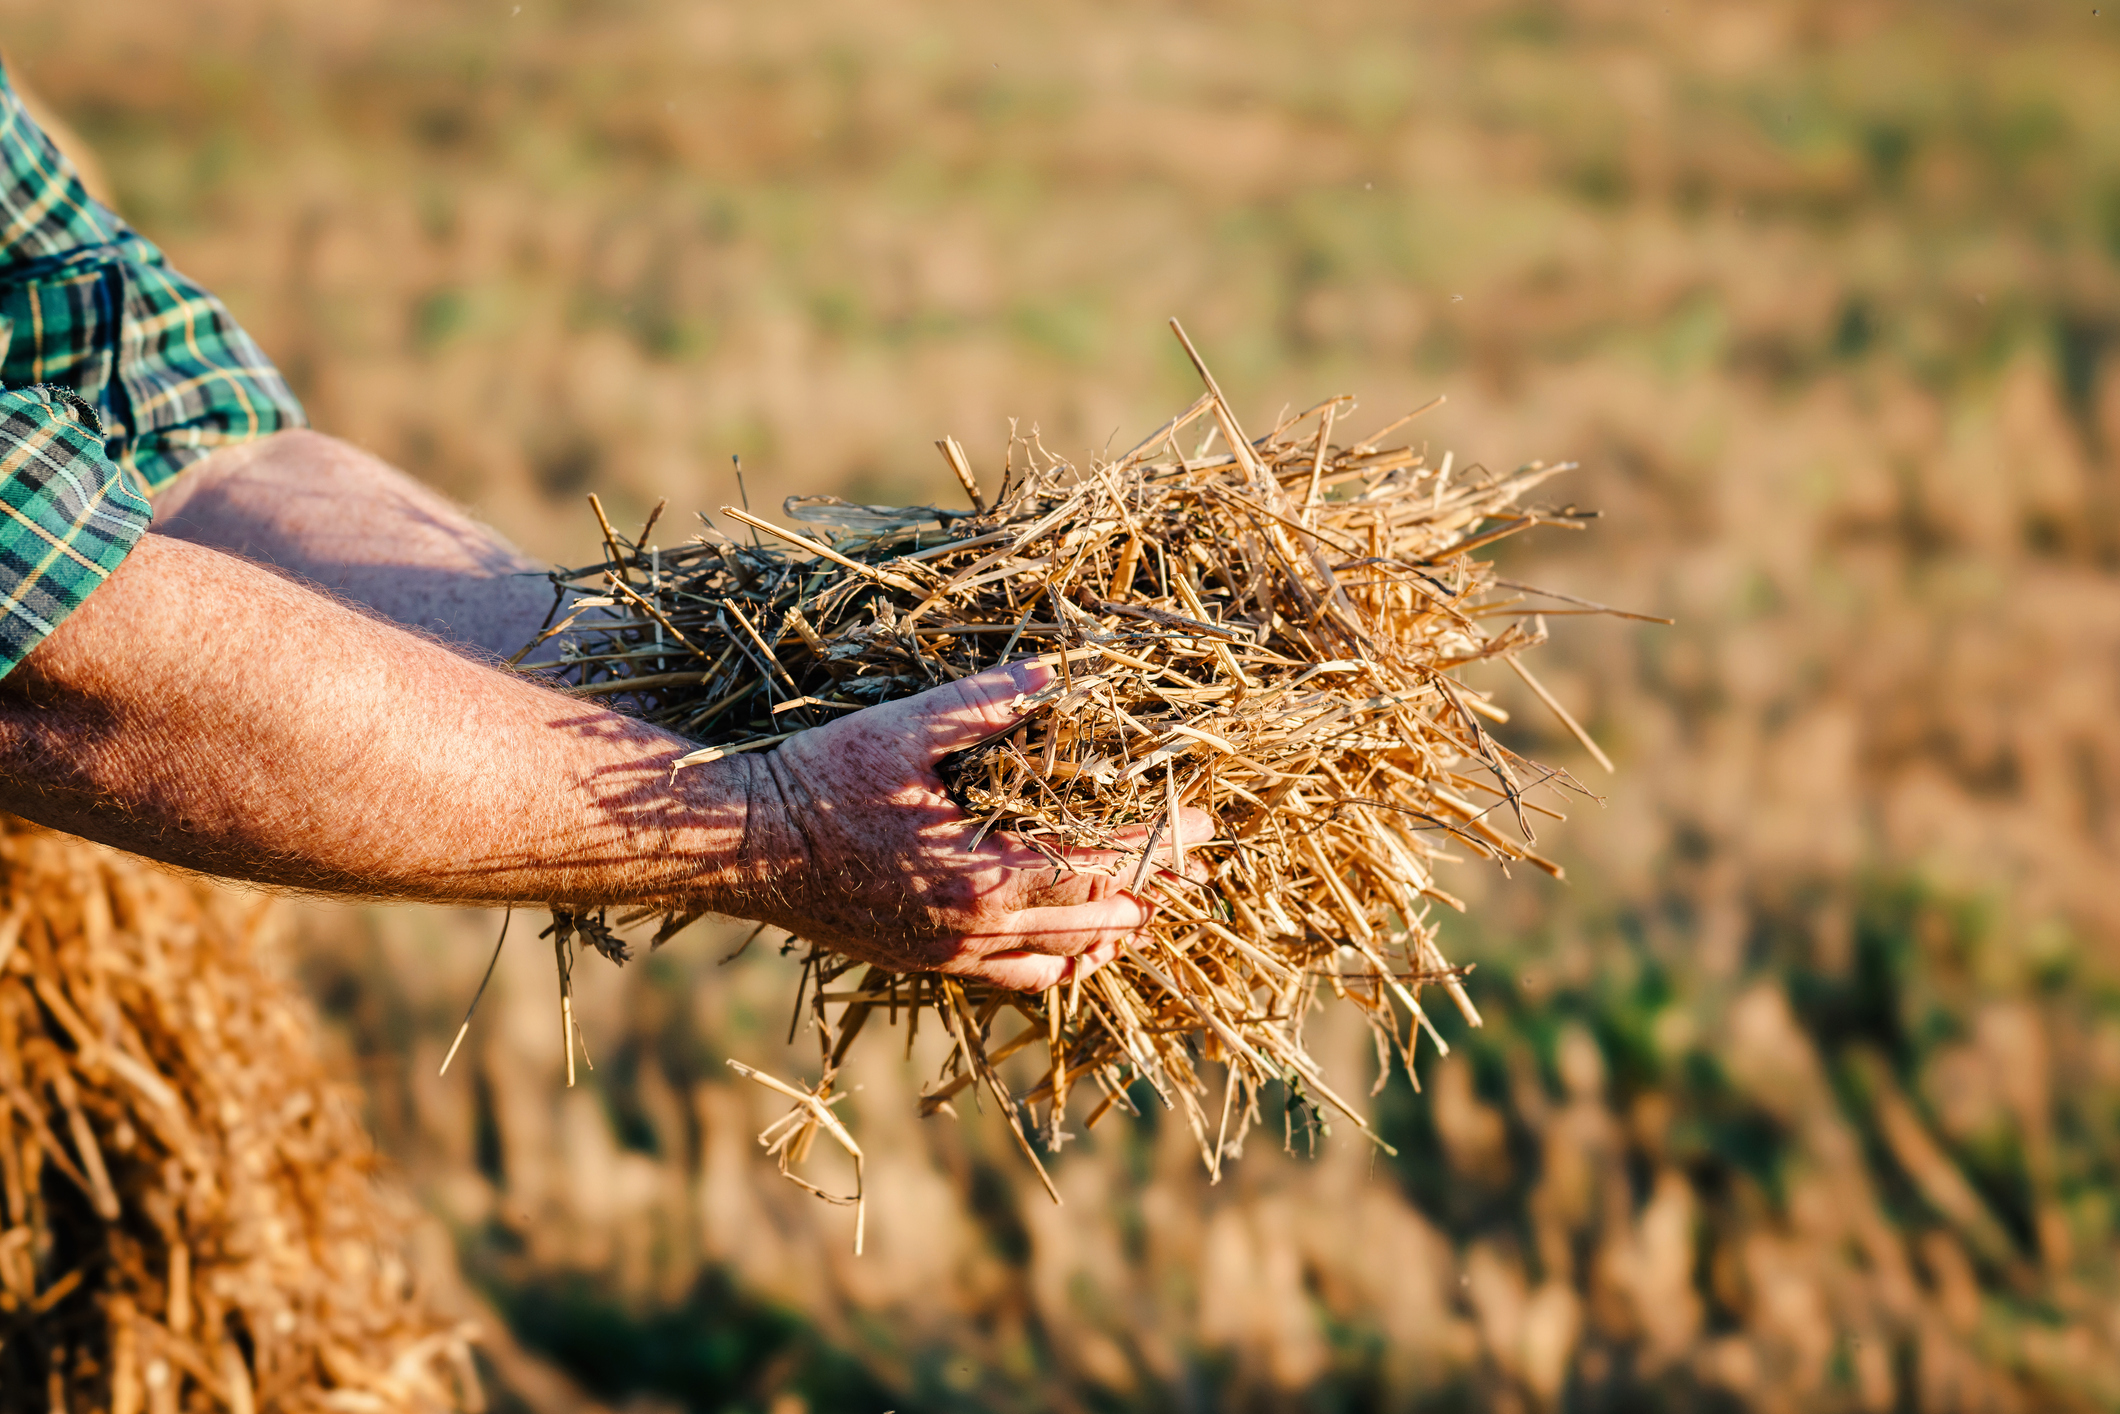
205	710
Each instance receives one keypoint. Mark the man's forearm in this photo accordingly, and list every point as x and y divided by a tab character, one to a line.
329	512
205	712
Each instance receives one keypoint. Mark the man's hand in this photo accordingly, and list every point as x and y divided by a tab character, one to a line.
858	848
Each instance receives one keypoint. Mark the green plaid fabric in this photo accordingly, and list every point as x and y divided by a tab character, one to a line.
155	374
66	516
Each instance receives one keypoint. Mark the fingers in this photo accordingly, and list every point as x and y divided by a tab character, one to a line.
1037	947
968	711
1104	872
1196	826
1034	972
1064	888
1072	929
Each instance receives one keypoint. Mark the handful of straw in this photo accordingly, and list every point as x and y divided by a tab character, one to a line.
1272	632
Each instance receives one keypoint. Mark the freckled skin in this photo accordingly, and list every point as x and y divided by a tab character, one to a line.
205	710
891	873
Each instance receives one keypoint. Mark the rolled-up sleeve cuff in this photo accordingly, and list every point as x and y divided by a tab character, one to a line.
67	516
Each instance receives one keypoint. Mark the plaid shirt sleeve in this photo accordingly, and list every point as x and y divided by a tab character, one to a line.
116	373
86	303
67	516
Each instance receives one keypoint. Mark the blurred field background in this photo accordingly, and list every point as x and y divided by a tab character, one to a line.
1802	1094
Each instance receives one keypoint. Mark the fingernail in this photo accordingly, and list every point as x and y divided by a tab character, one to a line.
1029	674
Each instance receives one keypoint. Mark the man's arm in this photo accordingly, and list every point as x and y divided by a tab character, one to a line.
206	712
329	512
203	711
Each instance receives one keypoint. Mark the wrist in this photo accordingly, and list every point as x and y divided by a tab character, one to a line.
734	836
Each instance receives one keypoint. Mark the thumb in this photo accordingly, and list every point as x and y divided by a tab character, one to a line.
970	710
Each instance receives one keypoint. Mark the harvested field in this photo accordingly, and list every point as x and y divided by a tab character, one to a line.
1822	296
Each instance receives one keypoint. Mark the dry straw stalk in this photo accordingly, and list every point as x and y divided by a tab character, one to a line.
188	1217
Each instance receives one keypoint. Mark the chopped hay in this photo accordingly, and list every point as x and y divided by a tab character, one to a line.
1272	633
188	1219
